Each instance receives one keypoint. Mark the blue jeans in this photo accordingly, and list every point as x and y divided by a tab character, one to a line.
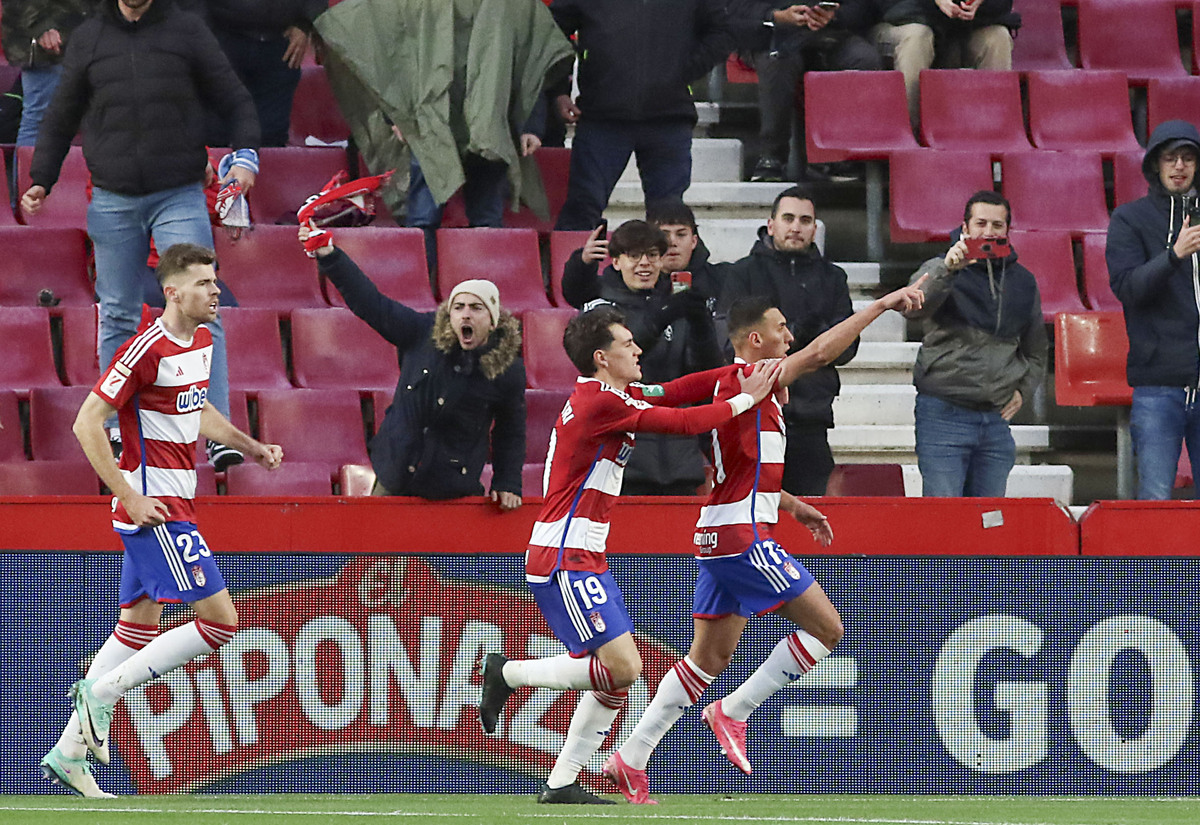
37	87
1160	421
962	452
483	194
600	153
120	227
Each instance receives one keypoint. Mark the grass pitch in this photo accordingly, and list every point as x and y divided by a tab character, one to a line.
674	809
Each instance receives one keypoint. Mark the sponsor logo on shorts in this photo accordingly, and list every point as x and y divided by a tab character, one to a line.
597	622
198	575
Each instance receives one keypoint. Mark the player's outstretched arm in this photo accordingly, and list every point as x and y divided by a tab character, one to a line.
144	511
755	386
833	342
215	426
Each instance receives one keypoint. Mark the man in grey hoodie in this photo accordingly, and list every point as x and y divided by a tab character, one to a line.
1155	272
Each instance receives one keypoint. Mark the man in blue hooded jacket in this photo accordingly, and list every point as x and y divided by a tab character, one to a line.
1155	272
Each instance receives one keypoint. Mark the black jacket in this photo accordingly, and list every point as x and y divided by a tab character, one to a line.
434	439
140	91
813	295
984	333
747	19
1158	291
263	18
677	337
638	57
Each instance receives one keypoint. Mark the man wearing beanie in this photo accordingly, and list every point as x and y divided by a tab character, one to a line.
461	394
1155	271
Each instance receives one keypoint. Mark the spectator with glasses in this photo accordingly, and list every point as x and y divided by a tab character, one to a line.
670	322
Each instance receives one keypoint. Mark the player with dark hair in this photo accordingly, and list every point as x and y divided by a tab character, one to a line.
157	385
743	571
565	562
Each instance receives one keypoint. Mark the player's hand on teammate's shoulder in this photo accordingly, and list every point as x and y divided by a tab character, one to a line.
760	381
269	456
145	511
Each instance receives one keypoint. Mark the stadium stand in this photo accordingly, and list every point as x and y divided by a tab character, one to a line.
873	127
319	426
68	201
1077	111
7	216
866	480
267	268
1096	286
290	174
920	212
52	412
290	479
513	263
542	408
333	349
1041	45
1172	98
79	358
44	258
356	479
12	442
1129	183
1048	255
1143	48
28	350
48	478
562	244
394	259
1090	350
1056	190
546	364
315	111
972	109
254	348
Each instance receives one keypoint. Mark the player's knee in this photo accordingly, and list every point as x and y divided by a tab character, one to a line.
712	662
832	632
626	670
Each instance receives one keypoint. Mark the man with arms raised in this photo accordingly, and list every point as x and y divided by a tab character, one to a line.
565	563
743	571
157	385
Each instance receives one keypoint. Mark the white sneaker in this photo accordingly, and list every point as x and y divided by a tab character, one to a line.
73	774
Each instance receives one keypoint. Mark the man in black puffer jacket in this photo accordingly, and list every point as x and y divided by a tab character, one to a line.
138	76
812	293
673	329
461	394
1155	270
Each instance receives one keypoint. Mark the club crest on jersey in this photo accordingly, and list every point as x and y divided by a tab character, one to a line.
198	575
597	621
191	399
791	570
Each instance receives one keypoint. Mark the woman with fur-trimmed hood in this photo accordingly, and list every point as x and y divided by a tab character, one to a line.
461	380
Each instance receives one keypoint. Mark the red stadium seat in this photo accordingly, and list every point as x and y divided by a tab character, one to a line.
1096	285
322	426
7	216
380	401
1040	45
546	363
66	206
1175	98
255	349
394	259
553	163
44	258
48	478
1142	48
206	480
1129	183
290	174
356	479
79	355
12	444
28	352
736	71
507	257
1074	110
1049	257
542	408
562	244
267	268
866	480
315	110
874	126
290	479
332	348
972	109
1056	190
1089	356
52	412
920	212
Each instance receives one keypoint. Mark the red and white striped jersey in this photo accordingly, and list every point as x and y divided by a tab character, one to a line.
748	458
159	384
589	447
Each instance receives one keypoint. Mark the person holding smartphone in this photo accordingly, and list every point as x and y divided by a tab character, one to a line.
785	40
982	356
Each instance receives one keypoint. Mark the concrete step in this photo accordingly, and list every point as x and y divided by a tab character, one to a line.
895	443
721	199
713	159
880	362
1056	481
875	404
